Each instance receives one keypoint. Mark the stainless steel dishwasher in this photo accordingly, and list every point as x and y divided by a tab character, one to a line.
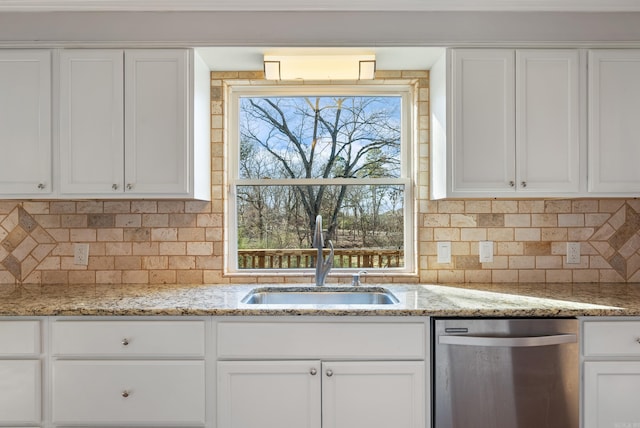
506	373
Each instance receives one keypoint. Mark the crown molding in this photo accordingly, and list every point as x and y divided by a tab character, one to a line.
321	5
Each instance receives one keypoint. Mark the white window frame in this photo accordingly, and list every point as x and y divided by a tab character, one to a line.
235	91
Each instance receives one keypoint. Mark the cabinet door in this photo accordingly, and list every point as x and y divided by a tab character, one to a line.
20	392
25	122
614	128
611	391
482	155
373	395
548	143
156	122
269	394
91	122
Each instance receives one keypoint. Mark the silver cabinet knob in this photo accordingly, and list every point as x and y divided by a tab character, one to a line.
638	339
114	186
129	186
125	394
41	186
125	342
329	373
523	184
512	183
313	371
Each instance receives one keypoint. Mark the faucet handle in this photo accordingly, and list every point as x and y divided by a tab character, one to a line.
355	278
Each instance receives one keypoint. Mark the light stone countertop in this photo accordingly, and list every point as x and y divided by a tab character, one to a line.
460	300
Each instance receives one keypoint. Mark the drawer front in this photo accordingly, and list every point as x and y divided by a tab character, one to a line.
19	338
322	340
129	338
20	392
611	338
129	392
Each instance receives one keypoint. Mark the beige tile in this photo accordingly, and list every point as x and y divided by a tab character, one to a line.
500	275
115	234
571	220
199	248
549	262
559	276
527	234
477	276
135	277
517	220
164	234
522	262
475	234
109	277
586	275
173	248
529	275
182	262
189	277
162	277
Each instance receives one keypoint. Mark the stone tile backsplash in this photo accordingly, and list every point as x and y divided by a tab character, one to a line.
155	242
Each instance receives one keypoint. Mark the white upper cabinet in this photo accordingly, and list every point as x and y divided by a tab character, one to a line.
133	124
91	121
482	154
614	122
549	145
506	123
25	123
156	121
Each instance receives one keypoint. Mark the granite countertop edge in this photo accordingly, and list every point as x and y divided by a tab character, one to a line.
443	300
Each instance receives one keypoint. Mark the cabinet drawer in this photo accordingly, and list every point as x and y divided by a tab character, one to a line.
20	392
19	337
322	340
108	392
129	338
611	338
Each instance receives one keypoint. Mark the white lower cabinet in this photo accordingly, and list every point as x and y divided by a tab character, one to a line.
20	373
611	373
129	392
115	372
283	394
328	375
314	394
20	390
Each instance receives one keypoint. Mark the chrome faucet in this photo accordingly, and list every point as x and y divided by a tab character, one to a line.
323	266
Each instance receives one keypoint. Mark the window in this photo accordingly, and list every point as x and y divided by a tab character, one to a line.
342	152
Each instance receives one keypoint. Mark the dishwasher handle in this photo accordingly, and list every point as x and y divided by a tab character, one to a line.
508	342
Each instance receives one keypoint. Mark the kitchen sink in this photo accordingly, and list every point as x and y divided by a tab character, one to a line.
320	296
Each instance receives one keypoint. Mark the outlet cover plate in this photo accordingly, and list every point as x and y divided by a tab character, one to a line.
81	254
573	253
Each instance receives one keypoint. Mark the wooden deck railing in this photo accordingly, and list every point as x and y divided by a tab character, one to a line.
305	258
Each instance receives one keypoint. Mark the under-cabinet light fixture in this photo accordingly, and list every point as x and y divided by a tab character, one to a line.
319	67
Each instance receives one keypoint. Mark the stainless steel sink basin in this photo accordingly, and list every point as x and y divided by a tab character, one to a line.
320	296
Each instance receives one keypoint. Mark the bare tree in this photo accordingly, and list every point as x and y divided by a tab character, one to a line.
323	137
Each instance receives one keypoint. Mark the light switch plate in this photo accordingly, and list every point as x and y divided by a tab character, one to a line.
444	252
486	251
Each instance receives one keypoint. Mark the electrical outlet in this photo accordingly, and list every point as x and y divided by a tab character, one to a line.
444	252
81	254
573	252
486	251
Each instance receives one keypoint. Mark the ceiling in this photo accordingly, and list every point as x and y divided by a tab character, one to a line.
320	5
